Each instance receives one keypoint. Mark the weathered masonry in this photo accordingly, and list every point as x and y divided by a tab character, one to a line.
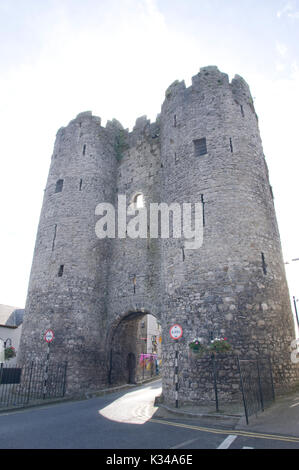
204	147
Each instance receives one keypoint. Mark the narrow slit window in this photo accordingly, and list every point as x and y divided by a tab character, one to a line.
80	185
174	120
183	253
271	192
60	271
59	186
203	211
54	237
264	265
200	147
231	145
84	149
242	110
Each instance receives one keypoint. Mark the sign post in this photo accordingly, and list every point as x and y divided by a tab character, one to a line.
48	337
176	332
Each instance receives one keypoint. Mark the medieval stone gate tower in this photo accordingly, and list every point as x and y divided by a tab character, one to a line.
204	147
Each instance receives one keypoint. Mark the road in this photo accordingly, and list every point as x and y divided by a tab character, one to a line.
122	420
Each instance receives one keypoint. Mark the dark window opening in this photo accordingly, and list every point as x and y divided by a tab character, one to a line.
54	237
84	149
271	191
183	253
242	110
200	147
80	185
231	145
174	120
203	210
60	272
264	265
59	186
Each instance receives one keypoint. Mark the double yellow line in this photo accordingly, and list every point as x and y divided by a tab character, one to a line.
231	431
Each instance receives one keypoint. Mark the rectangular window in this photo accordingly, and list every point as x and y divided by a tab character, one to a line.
59	186
60	272
200	147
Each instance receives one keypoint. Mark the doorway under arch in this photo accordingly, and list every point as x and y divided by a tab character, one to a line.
135	349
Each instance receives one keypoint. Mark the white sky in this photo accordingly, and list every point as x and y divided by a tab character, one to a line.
117	58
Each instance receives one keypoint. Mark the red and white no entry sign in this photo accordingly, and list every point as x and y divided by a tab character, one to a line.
176	331
49	336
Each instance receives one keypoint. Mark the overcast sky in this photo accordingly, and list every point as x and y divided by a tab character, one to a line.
117	58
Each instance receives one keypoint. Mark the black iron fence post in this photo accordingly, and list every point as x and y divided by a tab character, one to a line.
242	389
260	384
64	380
271	377
29	385
46	372
215	380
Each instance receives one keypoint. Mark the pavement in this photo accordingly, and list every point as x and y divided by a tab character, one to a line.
280	418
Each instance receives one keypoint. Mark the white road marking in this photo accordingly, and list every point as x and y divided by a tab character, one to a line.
184	444
295	404
247	447
227	442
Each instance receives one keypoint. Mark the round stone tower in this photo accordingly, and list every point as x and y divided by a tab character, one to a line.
204	149
234	285
68	283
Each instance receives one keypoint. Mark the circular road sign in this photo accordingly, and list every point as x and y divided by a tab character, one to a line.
176	331
49	336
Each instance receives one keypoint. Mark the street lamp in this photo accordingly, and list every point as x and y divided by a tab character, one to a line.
295	305
5	342
294	299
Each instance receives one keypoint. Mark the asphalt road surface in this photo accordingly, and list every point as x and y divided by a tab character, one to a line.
123	420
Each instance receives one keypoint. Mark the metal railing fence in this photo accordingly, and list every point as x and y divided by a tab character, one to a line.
32	381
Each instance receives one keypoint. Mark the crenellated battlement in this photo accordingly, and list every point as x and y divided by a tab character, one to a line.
240	89
210	81
209	76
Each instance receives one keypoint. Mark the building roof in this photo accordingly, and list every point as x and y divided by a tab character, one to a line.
11	316
8	326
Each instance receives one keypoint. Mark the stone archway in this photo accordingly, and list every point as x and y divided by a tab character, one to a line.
134	348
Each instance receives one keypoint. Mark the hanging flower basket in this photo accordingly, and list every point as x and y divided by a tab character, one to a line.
9	353
219	345
196	347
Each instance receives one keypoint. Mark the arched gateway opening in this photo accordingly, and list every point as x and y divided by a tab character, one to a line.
135	349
